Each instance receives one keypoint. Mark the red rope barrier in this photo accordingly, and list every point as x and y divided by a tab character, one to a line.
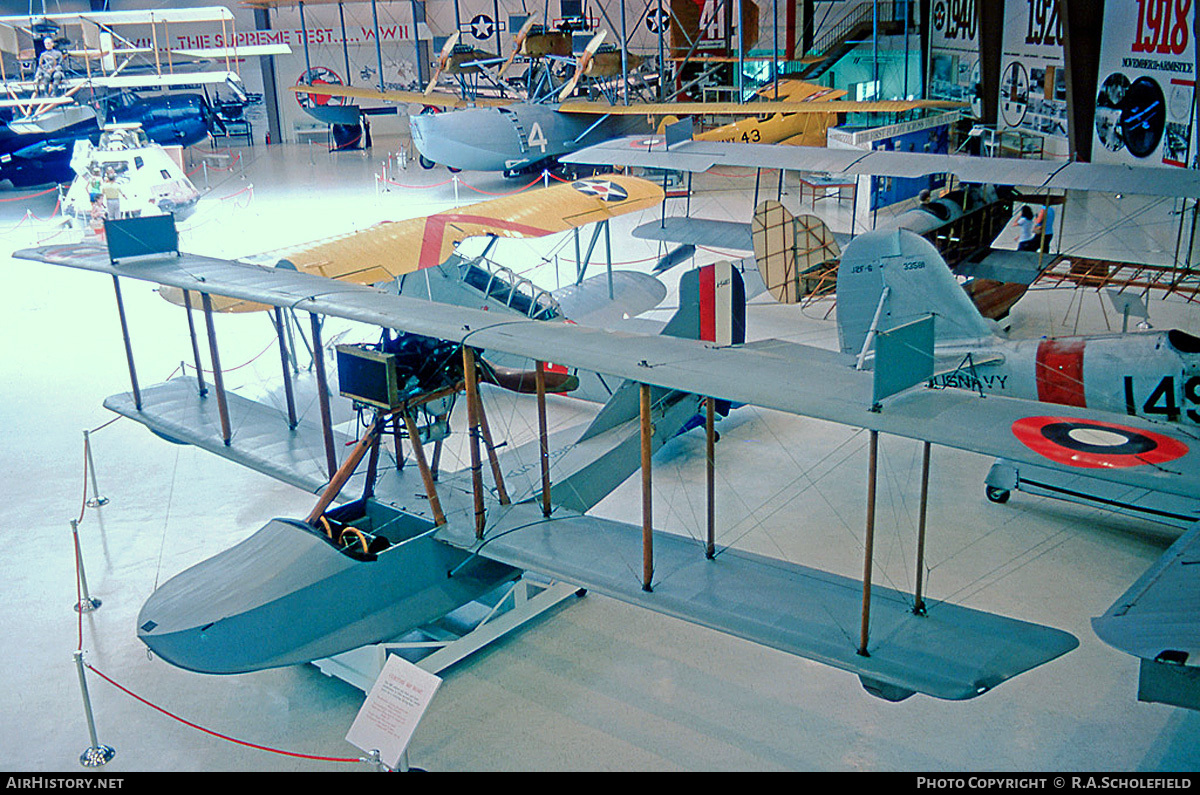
30	195
198	727
507	193
54	212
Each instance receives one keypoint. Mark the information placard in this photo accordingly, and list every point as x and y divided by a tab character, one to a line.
392	710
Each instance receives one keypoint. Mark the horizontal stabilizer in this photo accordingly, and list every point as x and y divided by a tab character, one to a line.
698	231
588	302
952	653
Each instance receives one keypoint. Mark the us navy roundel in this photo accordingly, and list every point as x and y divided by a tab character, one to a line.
608	191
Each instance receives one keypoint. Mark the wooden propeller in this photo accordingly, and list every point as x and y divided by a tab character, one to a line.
443	59
582	64
518	42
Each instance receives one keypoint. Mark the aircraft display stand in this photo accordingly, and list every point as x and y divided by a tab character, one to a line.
436	646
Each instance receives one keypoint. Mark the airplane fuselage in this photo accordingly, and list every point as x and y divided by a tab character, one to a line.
1155	375
514	138
806	129
30	159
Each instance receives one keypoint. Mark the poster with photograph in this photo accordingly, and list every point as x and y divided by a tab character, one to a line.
954	52
1145	100
1033	82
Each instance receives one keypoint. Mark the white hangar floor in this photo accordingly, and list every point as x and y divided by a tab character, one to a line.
596	684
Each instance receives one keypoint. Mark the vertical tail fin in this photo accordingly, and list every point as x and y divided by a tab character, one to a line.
712	307
796	256
917	283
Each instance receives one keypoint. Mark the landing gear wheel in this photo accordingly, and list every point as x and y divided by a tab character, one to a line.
453	170
999	496
425	162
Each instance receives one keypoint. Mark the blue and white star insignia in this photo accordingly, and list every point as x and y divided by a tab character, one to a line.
606	190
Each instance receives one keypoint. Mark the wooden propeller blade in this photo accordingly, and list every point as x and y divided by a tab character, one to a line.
518	41
582	64
447	48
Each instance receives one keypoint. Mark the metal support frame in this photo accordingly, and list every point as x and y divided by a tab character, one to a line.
218	377
366	443
318	352
187	302
304	36
870	546
543	438
472	378
86	603
96	500
137	393
608	257
414	441
581	266
434	649
919	603
95	754
277	320
710	475
489	445
647	500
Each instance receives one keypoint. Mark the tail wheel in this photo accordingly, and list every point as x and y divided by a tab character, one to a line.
999	496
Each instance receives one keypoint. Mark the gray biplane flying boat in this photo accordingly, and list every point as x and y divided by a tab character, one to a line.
406	559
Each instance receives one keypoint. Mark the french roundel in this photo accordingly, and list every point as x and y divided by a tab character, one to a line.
1093	444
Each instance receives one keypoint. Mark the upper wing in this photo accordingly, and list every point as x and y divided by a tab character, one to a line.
385	251
703	155
435	98
764	374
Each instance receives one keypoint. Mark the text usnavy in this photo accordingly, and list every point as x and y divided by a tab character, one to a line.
1134	782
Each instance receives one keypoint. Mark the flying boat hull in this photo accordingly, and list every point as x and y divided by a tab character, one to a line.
286	595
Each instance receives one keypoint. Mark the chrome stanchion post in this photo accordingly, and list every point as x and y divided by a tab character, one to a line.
86	603
96	501
95	754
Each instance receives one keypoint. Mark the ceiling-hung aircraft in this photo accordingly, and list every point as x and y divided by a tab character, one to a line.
85	68
481	535
481	133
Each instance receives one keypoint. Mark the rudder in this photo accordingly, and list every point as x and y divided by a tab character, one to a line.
900	277
796	256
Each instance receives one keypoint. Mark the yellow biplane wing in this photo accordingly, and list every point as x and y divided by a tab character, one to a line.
385	251
434	98
757	108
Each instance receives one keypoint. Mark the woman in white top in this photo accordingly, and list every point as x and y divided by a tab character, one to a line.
1024	224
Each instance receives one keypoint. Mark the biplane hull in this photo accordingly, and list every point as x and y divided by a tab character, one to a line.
286	595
